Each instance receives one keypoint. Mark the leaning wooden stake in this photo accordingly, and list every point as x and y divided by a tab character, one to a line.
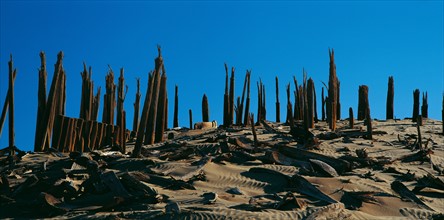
278	105
351	118
425	106
415	115
256	142
161	109
12	72
50	105
151	124
390	98
176	108
332	92
144	117
191	119
362	102
418	125
241	105
137	107
205	110
5	108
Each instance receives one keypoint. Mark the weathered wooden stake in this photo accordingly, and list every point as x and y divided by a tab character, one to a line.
332	92
425	106
137	107
205	109
316	119
289	113
362	102
231	98
241	106
415	105
390	98
191	119
368	120
310	104
51	104
226	99
41	99
351	118
256	142
323	104
150	130
144	117
96	105
176	108
161	109
278	105
12	72
247	102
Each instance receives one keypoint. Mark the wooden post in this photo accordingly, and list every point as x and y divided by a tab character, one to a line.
226	111
231	98
415	105
259	101
144	117
256	142
310	104
418	125
425	106
278	105
289	113
136	106
191	119
161	109
152	115
297	101
109	99
351	118
205	111
323	104
390	98
247	102
41	99
338	102
362	102
264	106
316	119
241	106
368	120
51	104
176	108
332	92
12	72
96	105
121	120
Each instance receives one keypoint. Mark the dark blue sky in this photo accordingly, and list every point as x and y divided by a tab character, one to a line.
372	40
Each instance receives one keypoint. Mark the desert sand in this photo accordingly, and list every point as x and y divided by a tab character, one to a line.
220	173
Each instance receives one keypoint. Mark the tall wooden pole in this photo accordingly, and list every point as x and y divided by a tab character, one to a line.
323	104
12	72
41	98
390	98
415	115
161	109
425	106
5	109
151	124
176	108
278	105
144	117
226	112
247	102
231	97
332	91
137	107
191	119
205	110
310	102
351	118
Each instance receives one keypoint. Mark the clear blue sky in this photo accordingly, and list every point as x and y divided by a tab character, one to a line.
372	40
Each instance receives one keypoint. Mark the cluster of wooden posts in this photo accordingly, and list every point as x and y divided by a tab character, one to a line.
85	133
